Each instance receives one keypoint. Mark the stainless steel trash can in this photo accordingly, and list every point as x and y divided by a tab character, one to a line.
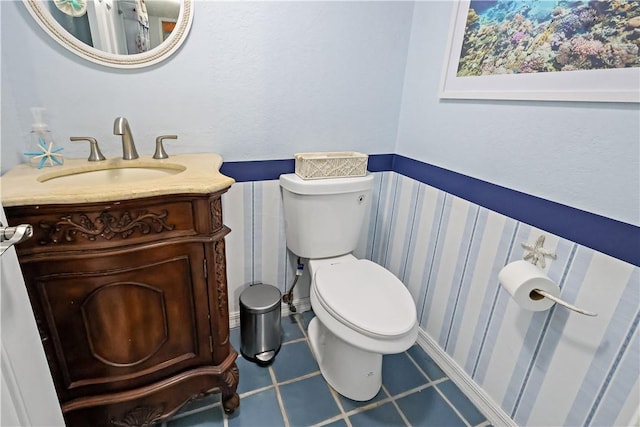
260	335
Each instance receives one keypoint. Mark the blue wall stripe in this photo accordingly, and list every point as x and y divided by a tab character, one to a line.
411	223
614	367
408	249
258	209
282	252
618	334
458	277
545	331
388	199
429	260
257	170
615	238
432	278
392	220
610	406
536	332
502	298
383	214
467	279
381	217
247	198
380	162
265	170
505	247
373	221
489	301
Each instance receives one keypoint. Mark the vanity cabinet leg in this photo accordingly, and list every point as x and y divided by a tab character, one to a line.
230	399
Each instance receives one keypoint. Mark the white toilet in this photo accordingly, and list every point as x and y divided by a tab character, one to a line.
362	310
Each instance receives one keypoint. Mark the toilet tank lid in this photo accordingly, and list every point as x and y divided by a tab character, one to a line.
295	184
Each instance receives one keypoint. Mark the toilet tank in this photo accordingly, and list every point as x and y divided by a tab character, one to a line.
324	217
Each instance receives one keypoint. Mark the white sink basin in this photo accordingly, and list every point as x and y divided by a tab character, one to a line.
112	175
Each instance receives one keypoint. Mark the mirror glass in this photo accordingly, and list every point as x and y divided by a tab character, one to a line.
116	33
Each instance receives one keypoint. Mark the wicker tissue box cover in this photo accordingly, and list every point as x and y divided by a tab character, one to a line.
330	165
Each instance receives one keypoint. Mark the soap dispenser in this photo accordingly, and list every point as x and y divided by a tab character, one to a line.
42	151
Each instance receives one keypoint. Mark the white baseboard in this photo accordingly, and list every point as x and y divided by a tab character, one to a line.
465	383
302	305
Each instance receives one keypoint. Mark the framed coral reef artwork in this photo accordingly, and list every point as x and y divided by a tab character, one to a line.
544	50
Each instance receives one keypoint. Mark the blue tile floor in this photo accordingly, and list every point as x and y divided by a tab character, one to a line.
292	392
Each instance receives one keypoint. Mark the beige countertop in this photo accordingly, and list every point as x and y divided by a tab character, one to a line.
190	174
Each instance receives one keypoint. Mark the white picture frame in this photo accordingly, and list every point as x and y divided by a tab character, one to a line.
605	85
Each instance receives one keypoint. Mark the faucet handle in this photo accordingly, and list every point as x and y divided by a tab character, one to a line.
160	153
96	154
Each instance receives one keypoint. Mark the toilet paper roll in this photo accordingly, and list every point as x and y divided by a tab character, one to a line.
520	278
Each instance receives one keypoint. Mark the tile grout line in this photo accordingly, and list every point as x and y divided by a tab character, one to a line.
446	399
389	399
255	391
193	411
419	367
332	420
283	412
468	424
417	389
299	320
344	414
369	406
395	405
297	340
300	378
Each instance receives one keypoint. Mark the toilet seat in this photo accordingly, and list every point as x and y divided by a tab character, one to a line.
366	297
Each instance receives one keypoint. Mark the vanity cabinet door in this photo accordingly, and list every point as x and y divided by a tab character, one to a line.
121	319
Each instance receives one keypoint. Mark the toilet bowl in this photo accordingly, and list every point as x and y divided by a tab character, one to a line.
362	312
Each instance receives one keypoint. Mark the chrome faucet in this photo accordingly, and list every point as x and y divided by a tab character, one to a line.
121	127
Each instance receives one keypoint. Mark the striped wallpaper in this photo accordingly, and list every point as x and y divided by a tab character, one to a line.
546	368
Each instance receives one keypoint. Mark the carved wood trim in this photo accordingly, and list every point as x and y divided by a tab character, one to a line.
230	399
141	392
221	276
140	416
215	207
221	289
105	225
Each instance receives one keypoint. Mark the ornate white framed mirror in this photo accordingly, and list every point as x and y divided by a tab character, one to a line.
116	33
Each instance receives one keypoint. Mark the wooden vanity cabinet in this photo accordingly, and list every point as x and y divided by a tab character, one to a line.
130	298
